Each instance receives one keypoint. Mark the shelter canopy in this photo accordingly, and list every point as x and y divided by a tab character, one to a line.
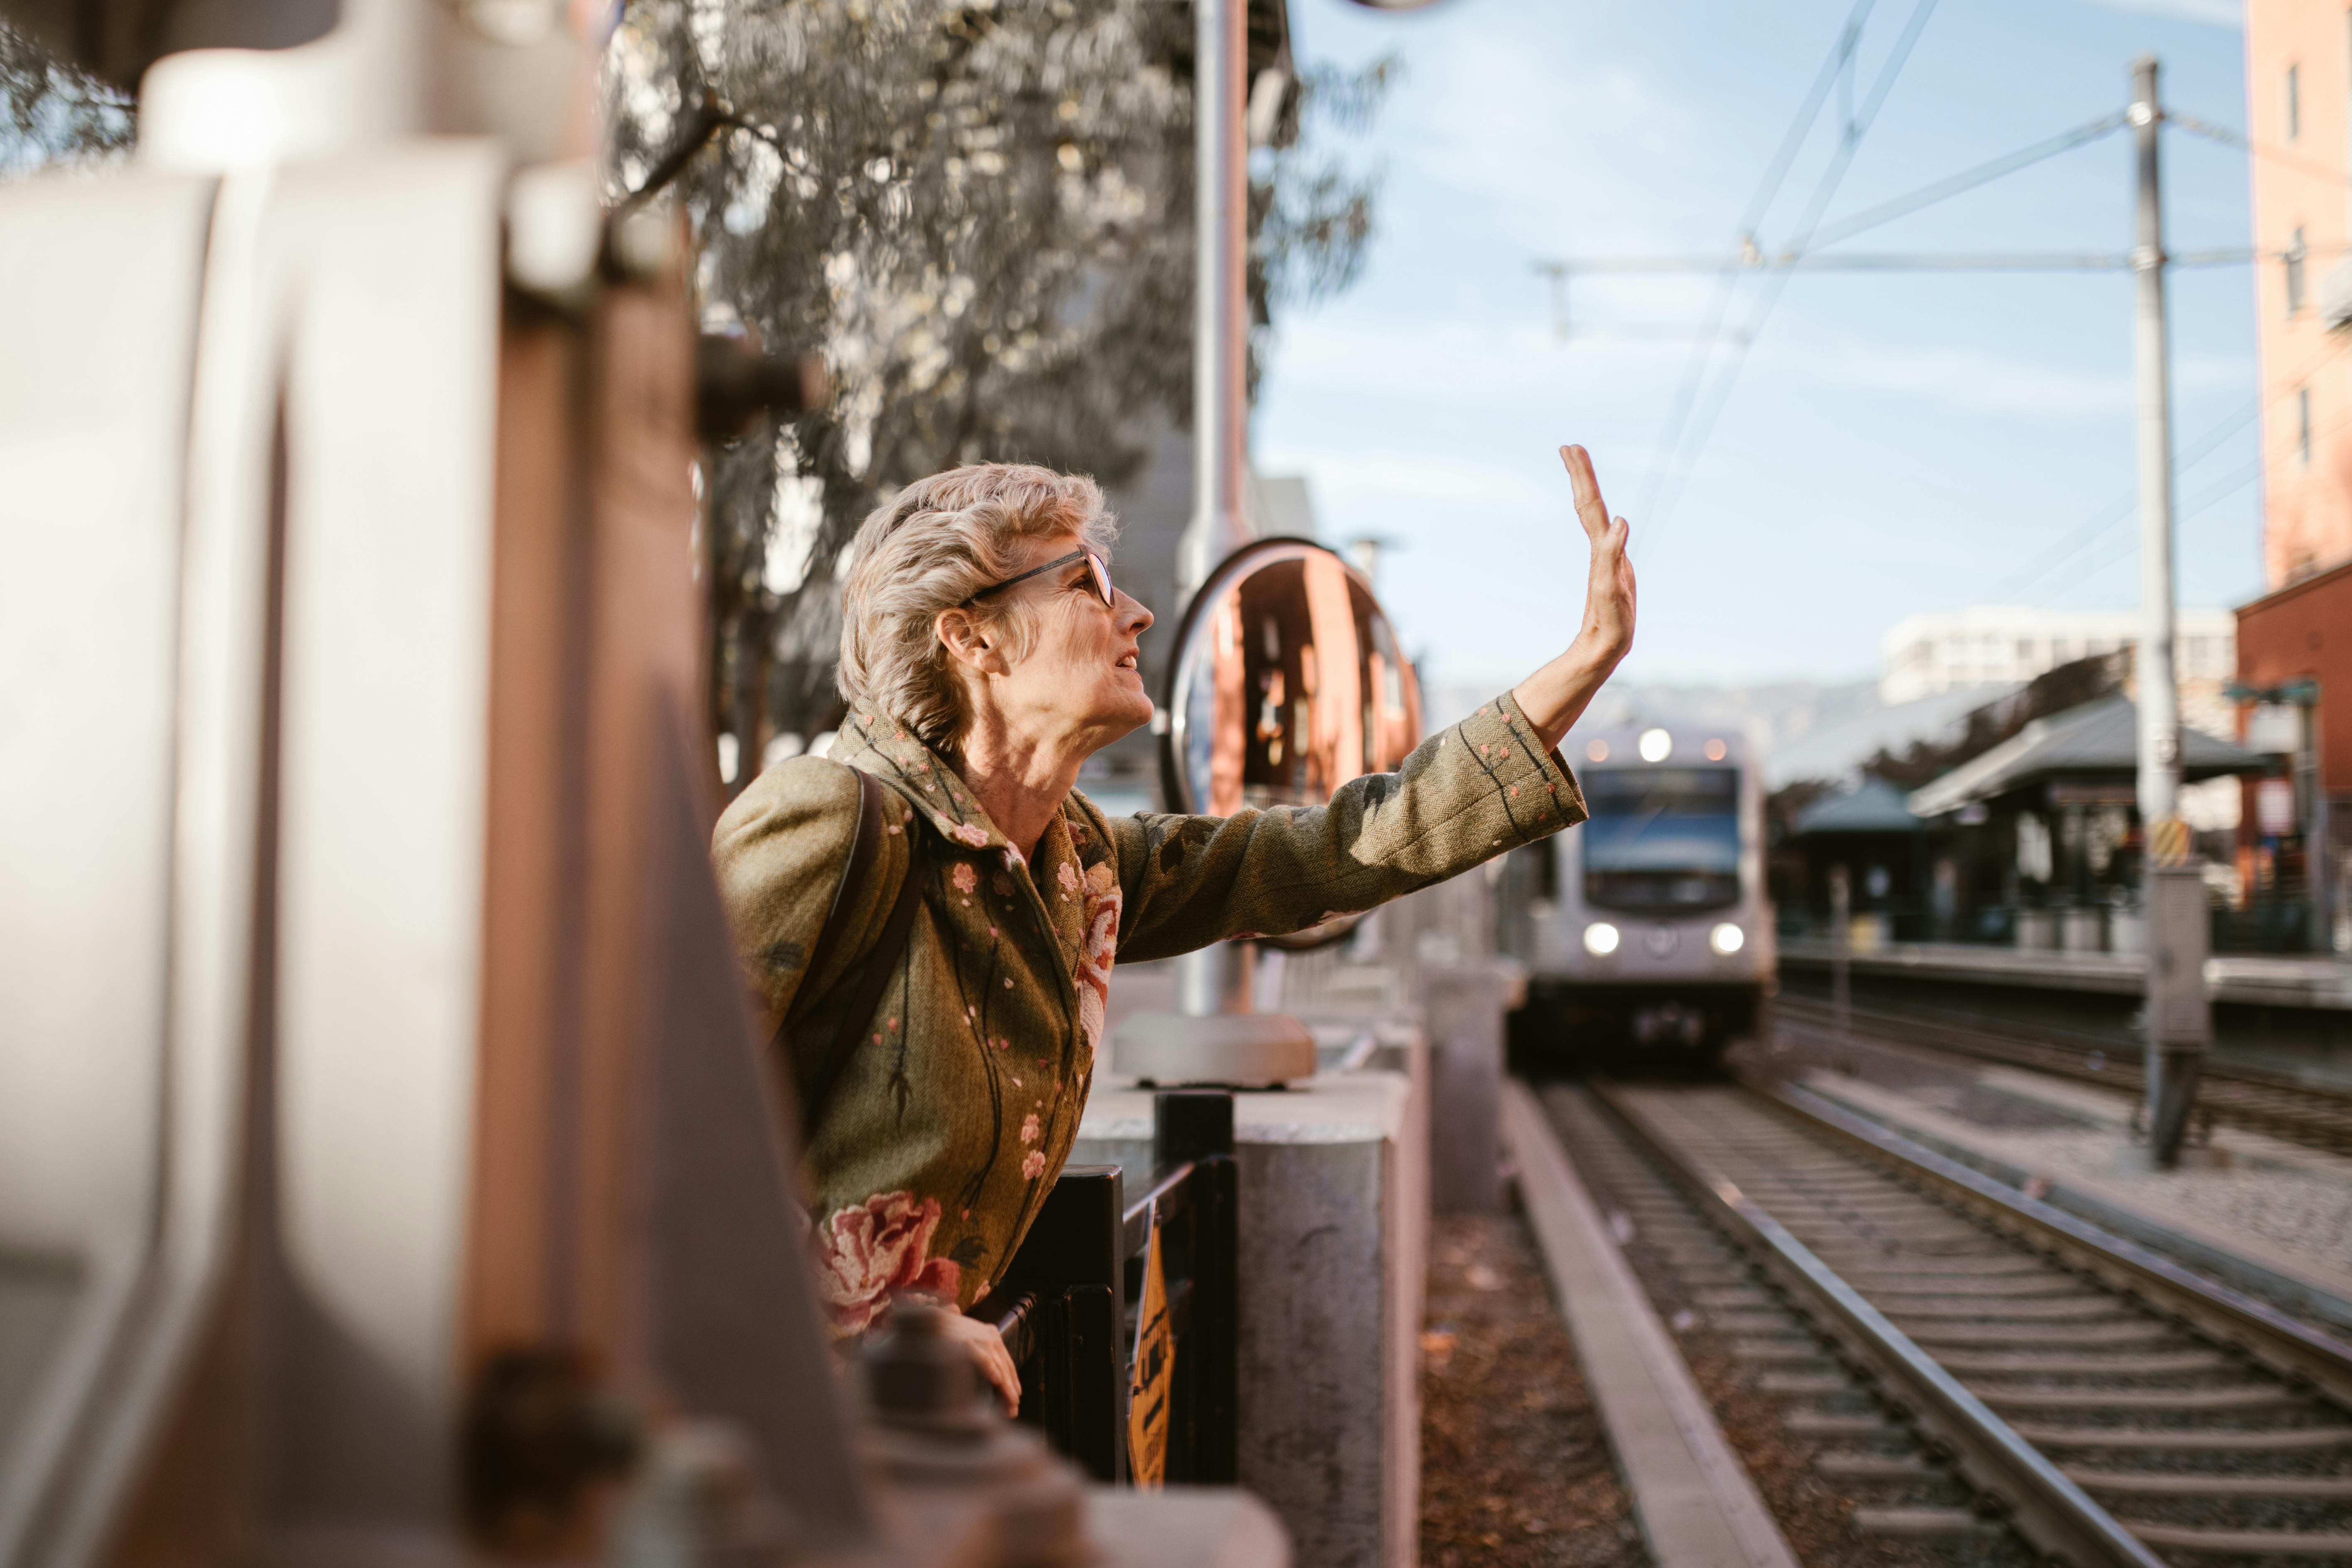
2096	743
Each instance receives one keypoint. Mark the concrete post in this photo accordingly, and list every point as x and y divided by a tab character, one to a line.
2179	1018
1466	1003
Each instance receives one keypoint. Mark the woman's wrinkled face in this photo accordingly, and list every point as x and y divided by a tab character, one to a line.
1079	676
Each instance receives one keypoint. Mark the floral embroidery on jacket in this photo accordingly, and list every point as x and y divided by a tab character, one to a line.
1098	947
967	833
869	1249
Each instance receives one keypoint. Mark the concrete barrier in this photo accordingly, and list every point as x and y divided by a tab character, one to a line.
1464	1005
1334	1243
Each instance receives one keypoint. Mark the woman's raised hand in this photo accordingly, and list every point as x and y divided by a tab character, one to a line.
1554	696
1607	624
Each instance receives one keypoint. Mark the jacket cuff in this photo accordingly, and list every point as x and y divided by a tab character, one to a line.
1537	793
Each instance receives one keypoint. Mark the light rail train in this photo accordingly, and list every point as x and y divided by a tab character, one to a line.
1646	930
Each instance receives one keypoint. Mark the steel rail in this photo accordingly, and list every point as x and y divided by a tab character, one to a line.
2259	1100
2293	1349
2052	1512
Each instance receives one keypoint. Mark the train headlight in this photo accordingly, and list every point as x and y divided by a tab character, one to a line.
1656	745
1600	939
1727	939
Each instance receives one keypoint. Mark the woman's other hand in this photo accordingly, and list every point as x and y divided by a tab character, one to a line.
988	1350
1554	697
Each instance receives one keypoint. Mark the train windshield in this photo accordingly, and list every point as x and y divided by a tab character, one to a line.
1662	840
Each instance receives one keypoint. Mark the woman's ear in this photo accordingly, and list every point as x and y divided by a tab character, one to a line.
969	644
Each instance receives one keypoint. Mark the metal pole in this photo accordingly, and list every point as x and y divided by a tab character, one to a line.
2318	852
1841	964
1220	291
2179	1020
1219	979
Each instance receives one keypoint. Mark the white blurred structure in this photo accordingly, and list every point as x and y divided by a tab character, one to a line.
1993	644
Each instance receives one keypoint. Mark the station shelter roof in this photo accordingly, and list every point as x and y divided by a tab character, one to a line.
2096	743
1873	806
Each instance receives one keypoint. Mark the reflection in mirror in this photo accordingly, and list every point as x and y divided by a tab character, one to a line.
1287	682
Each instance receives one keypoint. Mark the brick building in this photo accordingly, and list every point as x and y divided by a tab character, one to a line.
2299	108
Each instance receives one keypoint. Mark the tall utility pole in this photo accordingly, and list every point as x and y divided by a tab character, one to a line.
2179	1018
1220	284
1219	979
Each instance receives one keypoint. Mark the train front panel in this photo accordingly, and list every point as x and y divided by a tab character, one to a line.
1646	929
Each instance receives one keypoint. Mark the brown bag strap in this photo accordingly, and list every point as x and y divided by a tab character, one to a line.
816	1079
865	848
880	965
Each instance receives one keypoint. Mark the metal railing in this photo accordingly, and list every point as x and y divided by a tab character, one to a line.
1069	1306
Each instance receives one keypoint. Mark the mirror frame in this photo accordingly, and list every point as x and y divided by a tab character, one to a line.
1176	690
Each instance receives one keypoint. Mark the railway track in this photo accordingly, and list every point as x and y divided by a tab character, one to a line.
1990	1380
2279	1104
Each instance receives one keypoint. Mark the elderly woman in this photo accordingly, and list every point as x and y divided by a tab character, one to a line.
985	654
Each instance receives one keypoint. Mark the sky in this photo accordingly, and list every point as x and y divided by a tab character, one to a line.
1893	443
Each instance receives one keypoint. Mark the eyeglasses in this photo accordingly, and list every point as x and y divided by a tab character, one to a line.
1099	571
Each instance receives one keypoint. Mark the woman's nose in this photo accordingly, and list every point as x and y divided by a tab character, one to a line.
1132	615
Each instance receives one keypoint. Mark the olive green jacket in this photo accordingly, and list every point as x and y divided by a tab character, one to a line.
939	1140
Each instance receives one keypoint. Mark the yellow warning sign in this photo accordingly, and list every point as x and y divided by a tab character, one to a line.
1152	1377
2167	841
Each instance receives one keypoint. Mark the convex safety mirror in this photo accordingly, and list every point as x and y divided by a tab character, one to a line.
1287	683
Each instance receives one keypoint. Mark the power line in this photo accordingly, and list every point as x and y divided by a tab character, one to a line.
2220	490
1931	261
2228	138
1702	355
2121	507
1969	179
1848	145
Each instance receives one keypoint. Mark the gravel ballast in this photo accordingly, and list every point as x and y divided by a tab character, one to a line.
1515	1469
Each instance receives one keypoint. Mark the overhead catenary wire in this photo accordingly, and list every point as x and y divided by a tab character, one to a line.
2213	495
2121	507
2280	155
2189	457
1934	261
1795	258
1833	67
1824	190
1969	179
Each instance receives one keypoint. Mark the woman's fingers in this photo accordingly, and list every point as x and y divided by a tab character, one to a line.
1590	511
994	1362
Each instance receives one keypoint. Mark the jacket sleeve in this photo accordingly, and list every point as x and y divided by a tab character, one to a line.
1467	795
779	850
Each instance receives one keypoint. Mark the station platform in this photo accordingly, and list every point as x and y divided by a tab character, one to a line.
2242	980
2289	1017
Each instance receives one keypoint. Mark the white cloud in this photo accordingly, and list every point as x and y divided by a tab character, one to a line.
1520	365
1345	481
2213	12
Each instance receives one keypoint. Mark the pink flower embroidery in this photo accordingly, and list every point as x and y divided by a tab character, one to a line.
1033	1166
1012	860
1029	1127
1068	877
964	877
869	1249
1098	948
965	832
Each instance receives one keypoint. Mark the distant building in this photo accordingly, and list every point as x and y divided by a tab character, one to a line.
1997	644
2295	853
2299	100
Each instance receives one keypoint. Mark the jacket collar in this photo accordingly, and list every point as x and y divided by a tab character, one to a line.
887	750
877	744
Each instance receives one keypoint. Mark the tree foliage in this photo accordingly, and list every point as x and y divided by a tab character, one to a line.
982	214
51	113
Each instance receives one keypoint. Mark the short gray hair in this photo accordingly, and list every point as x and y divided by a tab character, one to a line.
933	546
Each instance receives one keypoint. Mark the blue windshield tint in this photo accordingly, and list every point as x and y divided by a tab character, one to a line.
1663	819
